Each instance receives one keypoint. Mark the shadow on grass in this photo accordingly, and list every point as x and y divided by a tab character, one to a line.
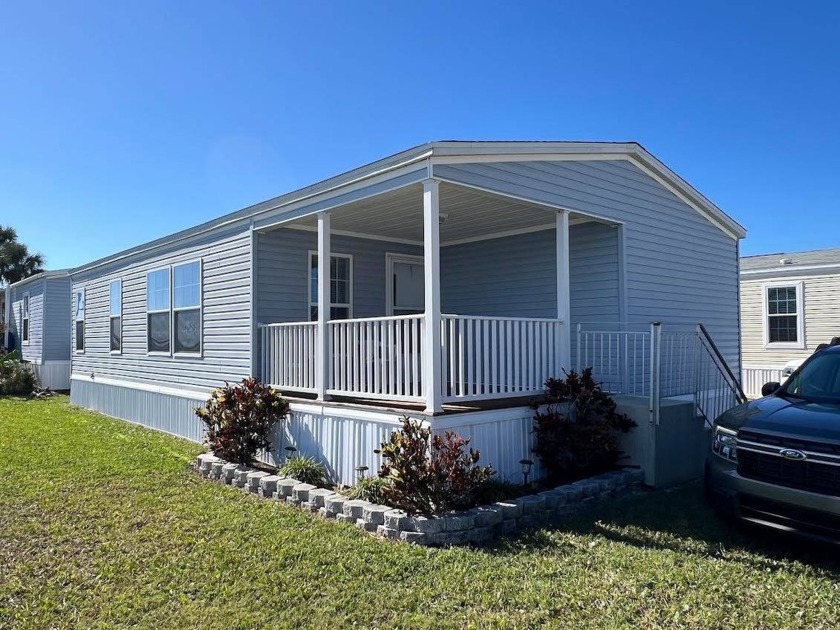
679	520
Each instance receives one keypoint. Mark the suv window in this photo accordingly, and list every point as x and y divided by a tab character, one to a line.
818	380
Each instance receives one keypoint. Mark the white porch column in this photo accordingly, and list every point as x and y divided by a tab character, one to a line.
322	358
563	288
431	260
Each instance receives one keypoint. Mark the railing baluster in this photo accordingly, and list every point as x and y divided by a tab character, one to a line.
470	343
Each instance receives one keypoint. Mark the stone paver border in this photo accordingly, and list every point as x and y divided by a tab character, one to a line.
471	526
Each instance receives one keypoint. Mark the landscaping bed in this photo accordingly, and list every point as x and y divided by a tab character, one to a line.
476	525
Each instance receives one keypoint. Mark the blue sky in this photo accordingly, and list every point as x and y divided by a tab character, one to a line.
122	122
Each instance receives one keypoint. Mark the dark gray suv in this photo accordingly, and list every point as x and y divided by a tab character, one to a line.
776	461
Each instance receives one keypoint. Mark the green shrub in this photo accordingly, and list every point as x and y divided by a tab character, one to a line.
239	418
430	474
304	469
577	433
371	489
16	378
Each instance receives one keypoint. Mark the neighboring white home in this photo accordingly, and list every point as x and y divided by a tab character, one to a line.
788	308
38	312
447	282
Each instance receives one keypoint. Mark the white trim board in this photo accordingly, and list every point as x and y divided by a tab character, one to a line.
199	395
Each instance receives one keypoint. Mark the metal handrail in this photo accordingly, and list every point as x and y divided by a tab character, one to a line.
710	344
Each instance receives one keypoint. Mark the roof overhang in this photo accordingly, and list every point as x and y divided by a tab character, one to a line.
477	152
789	271
44	275
424	157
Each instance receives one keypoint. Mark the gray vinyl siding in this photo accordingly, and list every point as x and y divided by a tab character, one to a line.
31	351
57	318
594	279
511	276
680	268
283	273
226	317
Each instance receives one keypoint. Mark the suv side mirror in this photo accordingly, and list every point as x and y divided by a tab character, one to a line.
770	388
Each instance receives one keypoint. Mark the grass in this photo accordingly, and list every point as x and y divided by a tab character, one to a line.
102	524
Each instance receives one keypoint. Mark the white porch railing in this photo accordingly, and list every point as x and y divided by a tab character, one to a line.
381	357
498	357
377	357
288	355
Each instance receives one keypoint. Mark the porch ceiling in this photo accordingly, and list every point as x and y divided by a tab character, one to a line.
469	214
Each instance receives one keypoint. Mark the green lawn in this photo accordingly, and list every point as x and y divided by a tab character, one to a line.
103	524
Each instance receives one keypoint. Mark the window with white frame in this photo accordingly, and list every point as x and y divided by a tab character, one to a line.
116	316
186	283
24	325
80	319
784	323
341	281
157	311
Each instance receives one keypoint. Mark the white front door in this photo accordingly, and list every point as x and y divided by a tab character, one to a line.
406	289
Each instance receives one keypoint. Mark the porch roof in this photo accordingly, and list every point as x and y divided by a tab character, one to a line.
466	214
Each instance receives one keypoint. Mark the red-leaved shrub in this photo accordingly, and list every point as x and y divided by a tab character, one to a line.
239	419
430	474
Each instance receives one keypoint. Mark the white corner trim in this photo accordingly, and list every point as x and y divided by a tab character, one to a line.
191	394
800	317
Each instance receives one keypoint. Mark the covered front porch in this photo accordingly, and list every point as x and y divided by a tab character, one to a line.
431	296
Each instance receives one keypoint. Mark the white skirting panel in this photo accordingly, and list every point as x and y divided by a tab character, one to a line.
171	413
502	436
754	376
54	375
341	437
344	438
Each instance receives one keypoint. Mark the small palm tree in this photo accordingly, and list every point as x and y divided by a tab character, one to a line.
16	262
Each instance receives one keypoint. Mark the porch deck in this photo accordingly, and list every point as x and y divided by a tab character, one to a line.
417	408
